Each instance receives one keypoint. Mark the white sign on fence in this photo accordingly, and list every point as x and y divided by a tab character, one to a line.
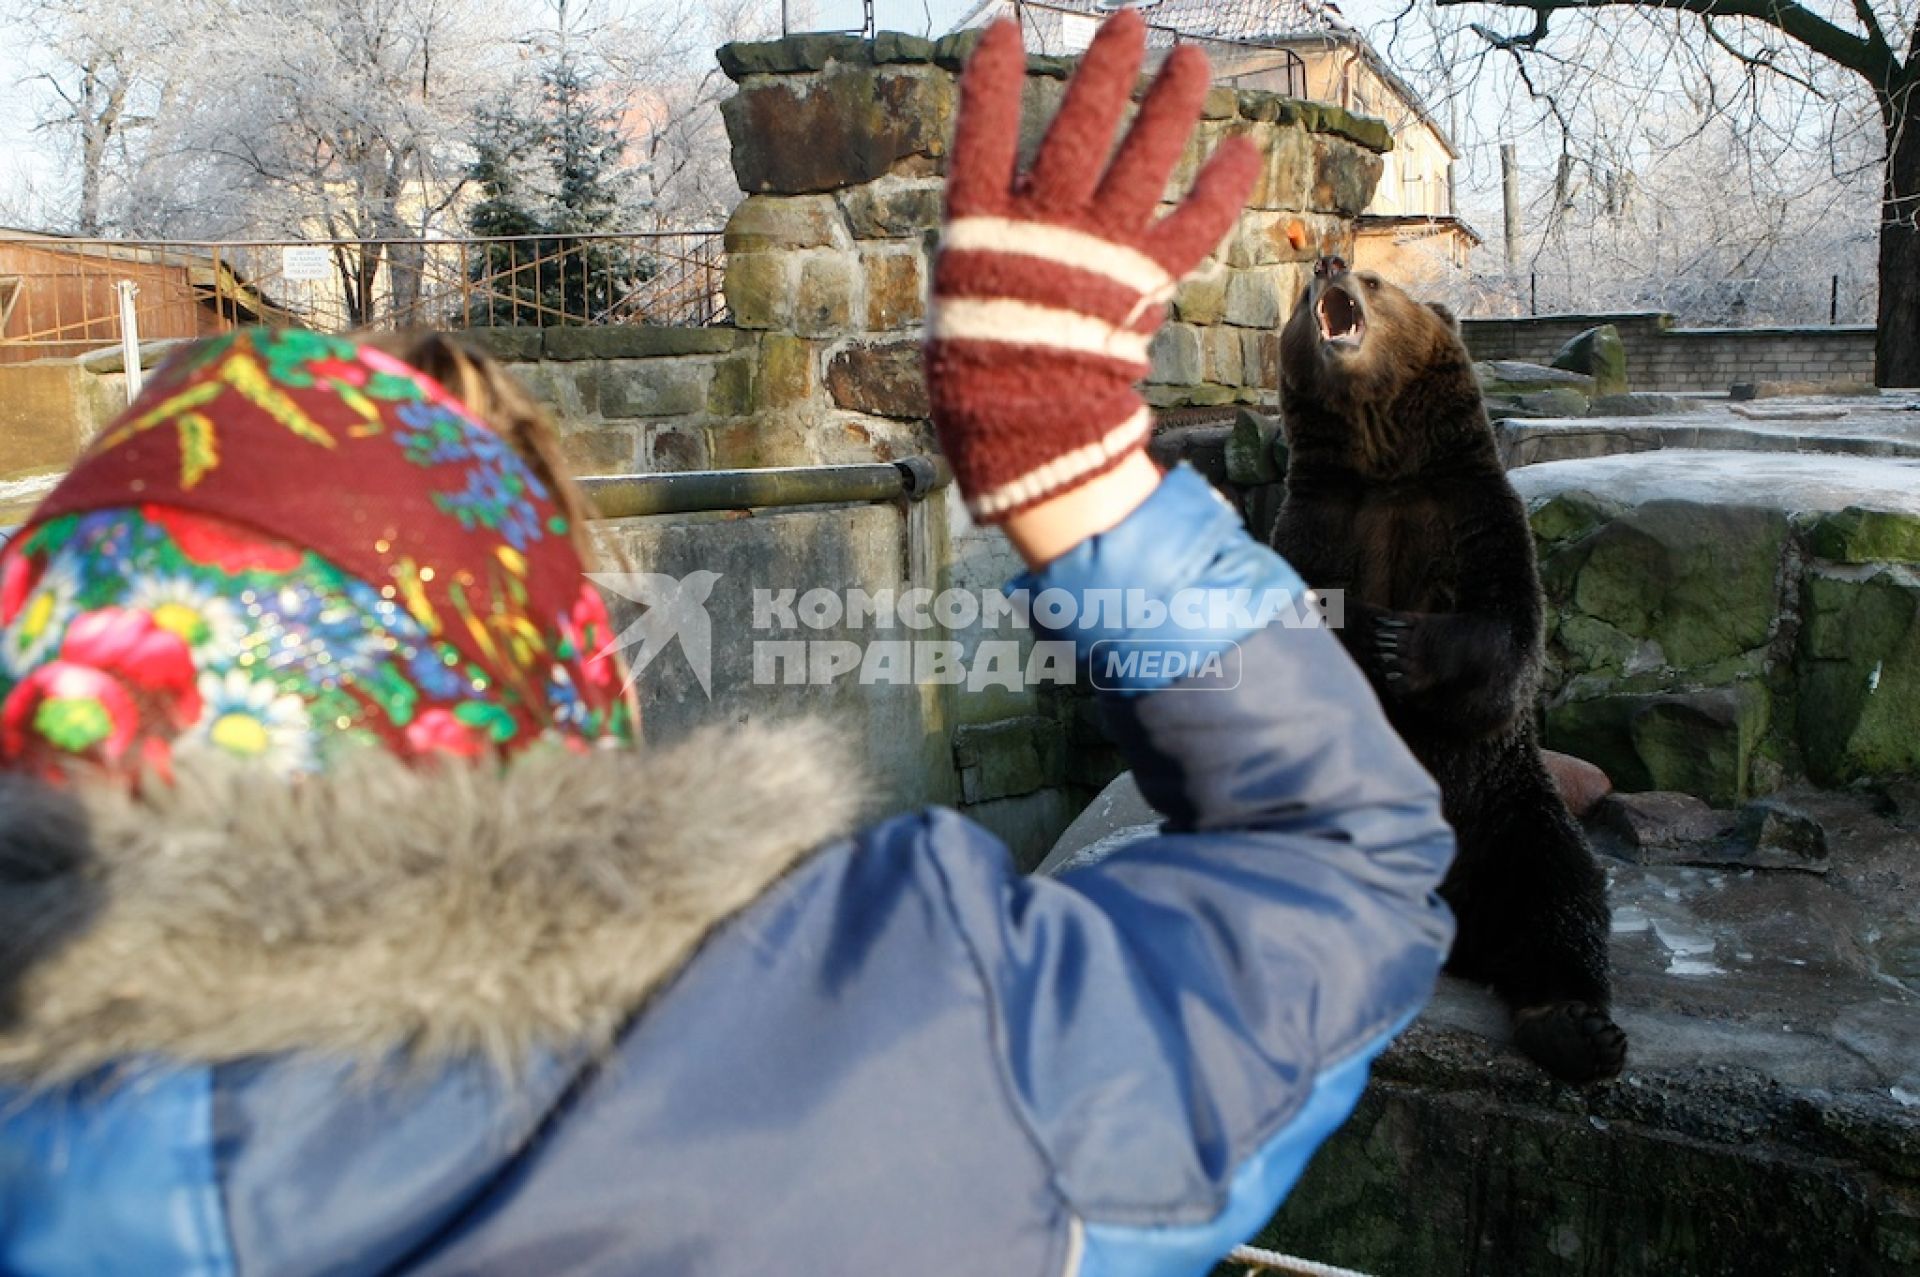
1076	31
305	263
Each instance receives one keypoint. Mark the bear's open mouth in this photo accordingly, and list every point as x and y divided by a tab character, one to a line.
1341	323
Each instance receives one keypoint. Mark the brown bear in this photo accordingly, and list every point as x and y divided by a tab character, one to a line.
1396	496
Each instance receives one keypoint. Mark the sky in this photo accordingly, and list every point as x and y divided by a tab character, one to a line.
29	164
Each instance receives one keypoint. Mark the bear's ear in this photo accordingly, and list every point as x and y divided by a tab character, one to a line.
1447	316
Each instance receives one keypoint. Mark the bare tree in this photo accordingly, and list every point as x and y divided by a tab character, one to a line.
677	88
1799	74
339	119
104	69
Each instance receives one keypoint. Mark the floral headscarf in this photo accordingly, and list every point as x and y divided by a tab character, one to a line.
290	545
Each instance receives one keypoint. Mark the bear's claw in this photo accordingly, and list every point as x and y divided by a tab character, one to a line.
1575	1041
1388	635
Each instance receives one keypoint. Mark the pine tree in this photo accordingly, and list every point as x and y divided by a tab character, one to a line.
555	175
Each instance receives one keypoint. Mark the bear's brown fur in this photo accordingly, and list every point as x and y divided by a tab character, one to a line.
1396	496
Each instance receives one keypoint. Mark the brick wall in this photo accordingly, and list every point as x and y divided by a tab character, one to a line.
1662	357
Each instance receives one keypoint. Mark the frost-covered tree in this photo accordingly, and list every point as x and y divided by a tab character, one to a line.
336	119
549	164
104	68
675	87
1806	101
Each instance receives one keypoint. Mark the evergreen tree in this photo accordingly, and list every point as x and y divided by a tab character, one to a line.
553	174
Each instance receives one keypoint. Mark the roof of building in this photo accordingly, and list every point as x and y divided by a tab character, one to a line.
1233	21
1260	23
1438	223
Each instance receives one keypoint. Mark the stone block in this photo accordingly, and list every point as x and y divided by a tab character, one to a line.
635	341
1600	354
764	223
1560	402
824	306
770	439
570	391
1701	743
1661	822
1268	238
1517	377
1008	758
1175	356
790	55
730	393
1858	670
847	126
952	50
786	376
652	388
1857	535
1260	358
601	449
892	207
858	440
1344	177
1253	298
1220	356
1703	581
1250	449
896	290
676	449
1221	104
1286	177
895	46
760	289
880	380
1783	836
1210	396
1203	298
508	343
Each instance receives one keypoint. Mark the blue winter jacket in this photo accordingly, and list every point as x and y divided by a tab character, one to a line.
675	1013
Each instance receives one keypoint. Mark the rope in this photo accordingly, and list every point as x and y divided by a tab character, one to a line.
1272	1261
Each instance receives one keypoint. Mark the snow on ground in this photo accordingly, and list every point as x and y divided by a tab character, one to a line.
1790	481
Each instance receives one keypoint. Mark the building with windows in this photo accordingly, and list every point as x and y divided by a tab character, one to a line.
1302	49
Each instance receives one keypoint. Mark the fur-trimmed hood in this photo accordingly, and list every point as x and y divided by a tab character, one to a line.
380	910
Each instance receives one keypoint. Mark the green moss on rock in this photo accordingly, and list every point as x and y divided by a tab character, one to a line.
1858	667
1855	535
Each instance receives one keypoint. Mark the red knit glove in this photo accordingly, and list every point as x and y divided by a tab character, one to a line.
1049	285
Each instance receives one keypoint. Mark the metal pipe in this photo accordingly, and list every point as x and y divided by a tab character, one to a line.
627	496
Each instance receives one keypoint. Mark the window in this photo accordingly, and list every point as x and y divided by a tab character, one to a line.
10	290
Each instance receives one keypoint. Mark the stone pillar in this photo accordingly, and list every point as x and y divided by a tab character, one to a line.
841	144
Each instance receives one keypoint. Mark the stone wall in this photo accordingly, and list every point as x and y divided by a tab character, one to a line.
1662	357
1724	624
842	145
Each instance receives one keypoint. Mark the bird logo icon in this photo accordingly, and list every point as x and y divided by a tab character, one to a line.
675	609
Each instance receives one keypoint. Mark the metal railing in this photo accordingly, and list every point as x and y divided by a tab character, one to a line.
626	496
60	296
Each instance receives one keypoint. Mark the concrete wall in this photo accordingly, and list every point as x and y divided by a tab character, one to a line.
1021	761
1662	357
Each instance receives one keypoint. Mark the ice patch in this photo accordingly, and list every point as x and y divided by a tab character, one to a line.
1904	1097
1873	679
20	489
1691	950
1628	920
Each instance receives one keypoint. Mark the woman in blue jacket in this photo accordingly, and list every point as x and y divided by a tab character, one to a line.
337	943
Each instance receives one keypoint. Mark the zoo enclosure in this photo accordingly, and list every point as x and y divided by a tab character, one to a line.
59	296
